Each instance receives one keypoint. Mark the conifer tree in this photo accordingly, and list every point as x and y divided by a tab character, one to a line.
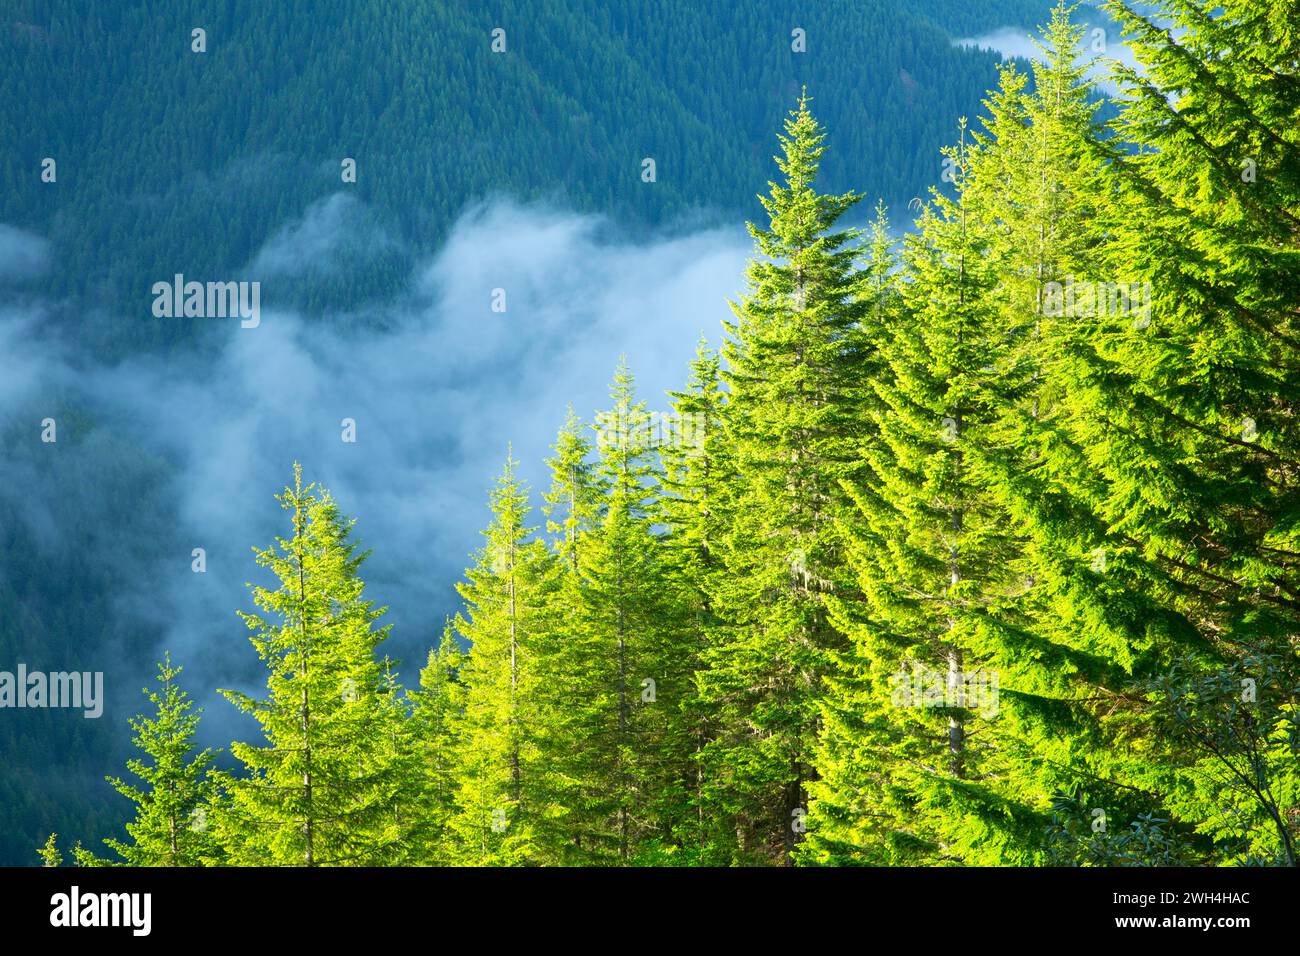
1070	630
571	501
50	853
614	677
399	771
494	730
325	786
1194	454
177	790
435	708
849	818
1041	623
794	362
1059	637
697	482
572	504
931	560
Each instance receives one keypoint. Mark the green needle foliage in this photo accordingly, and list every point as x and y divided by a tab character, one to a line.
327	784
177	790
434	711
794	359
697	483
493	727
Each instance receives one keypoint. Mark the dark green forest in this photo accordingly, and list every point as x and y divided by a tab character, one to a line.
978	547
163	154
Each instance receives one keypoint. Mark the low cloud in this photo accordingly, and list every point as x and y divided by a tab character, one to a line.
437	383
23	255
331	230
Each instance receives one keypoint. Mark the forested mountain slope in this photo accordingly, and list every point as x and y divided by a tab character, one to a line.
169	158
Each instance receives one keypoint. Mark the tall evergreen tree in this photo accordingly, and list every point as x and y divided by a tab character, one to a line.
615	679
494	730
435	708
1196	451
850	818
572	504
178	790
697	482
323	788
794	360
931	562
1070	631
